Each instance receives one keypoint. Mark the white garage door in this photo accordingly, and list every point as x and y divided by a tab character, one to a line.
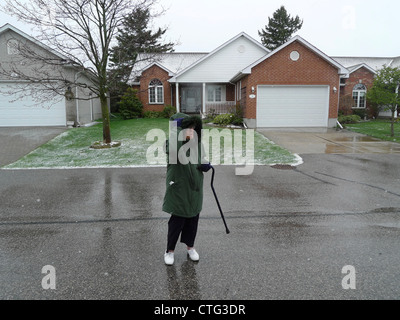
26	112
292	106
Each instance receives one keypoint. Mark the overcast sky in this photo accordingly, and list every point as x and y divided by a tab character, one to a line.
338	28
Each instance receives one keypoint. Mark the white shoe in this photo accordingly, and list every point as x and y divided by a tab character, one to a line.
169	258
193	255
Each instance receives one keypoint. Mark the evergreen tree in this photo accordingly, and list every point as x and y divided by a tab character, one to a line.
279	29
133	38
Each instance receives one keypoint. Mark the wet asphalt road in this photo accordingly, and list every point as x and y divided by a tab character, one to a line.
292	232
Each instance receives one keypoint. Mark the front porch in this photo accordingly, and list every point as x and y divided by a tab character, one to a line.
194	98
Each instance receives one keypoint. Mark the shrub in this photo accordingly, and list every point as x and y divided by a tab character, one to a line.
210	116
362	113
169	111
130	107
349	119
237	112
153	114
224	119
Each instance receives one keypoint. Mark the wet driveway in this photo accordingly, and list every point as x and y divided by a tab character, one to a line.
16	142
292	232
330	141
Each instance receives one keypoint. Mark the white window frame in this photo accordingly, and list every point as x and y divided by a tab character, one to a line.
156	92
357	96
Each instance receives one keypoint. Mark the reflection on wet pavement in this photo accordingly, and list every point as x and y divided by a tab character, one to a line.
328	141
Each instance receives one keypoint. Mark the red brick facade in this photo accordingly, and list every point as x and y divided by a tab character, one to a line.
279	69
311	68
362	75
154	72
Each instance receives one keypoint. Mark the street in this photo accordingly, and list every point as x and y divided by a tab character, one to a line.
293	230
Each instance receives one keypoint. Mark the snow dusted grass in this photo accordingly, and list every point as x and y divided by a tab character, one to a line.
72	149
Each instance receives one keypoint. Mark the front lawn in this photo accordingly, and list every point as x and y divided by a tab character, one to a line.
377	128
72	148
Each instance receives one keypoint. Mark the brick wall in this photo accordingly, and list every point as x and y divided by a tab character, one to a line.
279	69
154	72
361	75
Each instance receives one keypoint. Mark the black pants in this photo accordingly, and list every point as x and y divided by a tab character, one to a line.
186	227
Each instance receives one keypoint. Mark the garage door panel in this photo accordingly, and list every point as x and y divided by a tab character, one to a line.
292	106
26	112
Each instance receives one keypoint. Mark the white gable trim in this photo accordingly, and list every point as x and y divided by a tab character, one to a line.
170	73
242	34
247	70
361	66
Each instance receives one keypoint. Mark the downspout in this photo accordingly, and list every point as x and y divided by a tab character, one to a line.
77	98
91	108
178	108
397	94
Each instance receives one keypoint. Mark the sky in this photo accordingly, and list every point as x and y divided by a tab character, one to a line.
338	28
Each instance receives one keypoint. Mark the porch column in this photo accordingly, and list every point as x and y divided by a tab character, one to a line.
204	98
178	109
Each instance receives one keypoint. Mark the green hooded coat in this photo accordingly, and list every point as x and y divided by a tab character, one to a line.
184	182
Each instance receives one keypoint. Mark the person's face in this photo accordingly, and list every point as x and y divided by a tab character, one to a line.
189	133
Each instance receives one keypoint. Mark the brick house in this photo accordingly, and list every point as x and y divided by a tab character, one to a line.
296	85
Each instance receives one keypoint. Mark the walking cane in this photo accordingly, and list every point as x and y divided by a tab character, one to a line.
216	198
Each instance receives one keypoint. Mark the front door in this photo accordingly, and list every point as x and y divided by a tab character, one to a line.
191	99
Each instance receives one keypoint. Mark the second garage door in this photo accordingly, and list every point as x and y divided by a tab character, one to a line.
292	106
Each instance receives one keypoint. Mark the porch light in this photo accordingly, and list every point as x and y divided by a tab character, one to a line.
68	94
253	90
334	89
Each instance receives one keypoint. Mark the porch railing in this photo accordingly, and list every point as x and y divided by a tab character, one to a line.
220	107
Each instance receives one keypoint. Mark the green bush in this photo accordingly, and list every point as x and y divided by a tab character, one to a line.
130	106
362	113
210	116
169	111
153	114
224	119
349	119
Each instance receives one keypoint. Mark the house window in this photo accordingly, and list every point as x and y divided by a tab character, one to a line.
156	92
215	93
12	46
359	96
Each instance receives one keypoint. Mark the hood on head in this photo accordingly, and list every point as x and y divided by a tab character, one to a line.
189	122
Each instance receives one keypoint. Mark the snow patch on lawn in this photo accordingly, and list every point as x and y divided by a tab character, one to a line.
63	153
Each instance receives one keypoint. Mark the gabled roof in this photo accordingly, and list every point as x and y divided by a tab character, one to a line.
247	70
8	26
242	34
171	62
359	66
374	63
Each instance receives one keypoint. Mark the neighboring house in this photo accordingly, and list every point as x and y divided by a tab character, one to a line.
296	85
26	103
362	71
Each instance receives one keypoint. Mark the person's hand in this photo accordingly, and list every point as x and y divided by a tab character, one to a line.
204	167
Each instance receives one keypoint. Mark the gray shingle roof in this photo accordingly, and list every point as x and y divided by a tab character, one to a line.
375	63
173	62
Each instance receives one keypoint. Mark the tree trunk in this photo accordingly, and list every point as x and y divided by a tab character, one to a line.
106	119
392	123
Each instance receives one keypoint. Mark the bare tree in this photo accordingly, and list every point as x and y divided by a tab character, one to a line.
80	34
